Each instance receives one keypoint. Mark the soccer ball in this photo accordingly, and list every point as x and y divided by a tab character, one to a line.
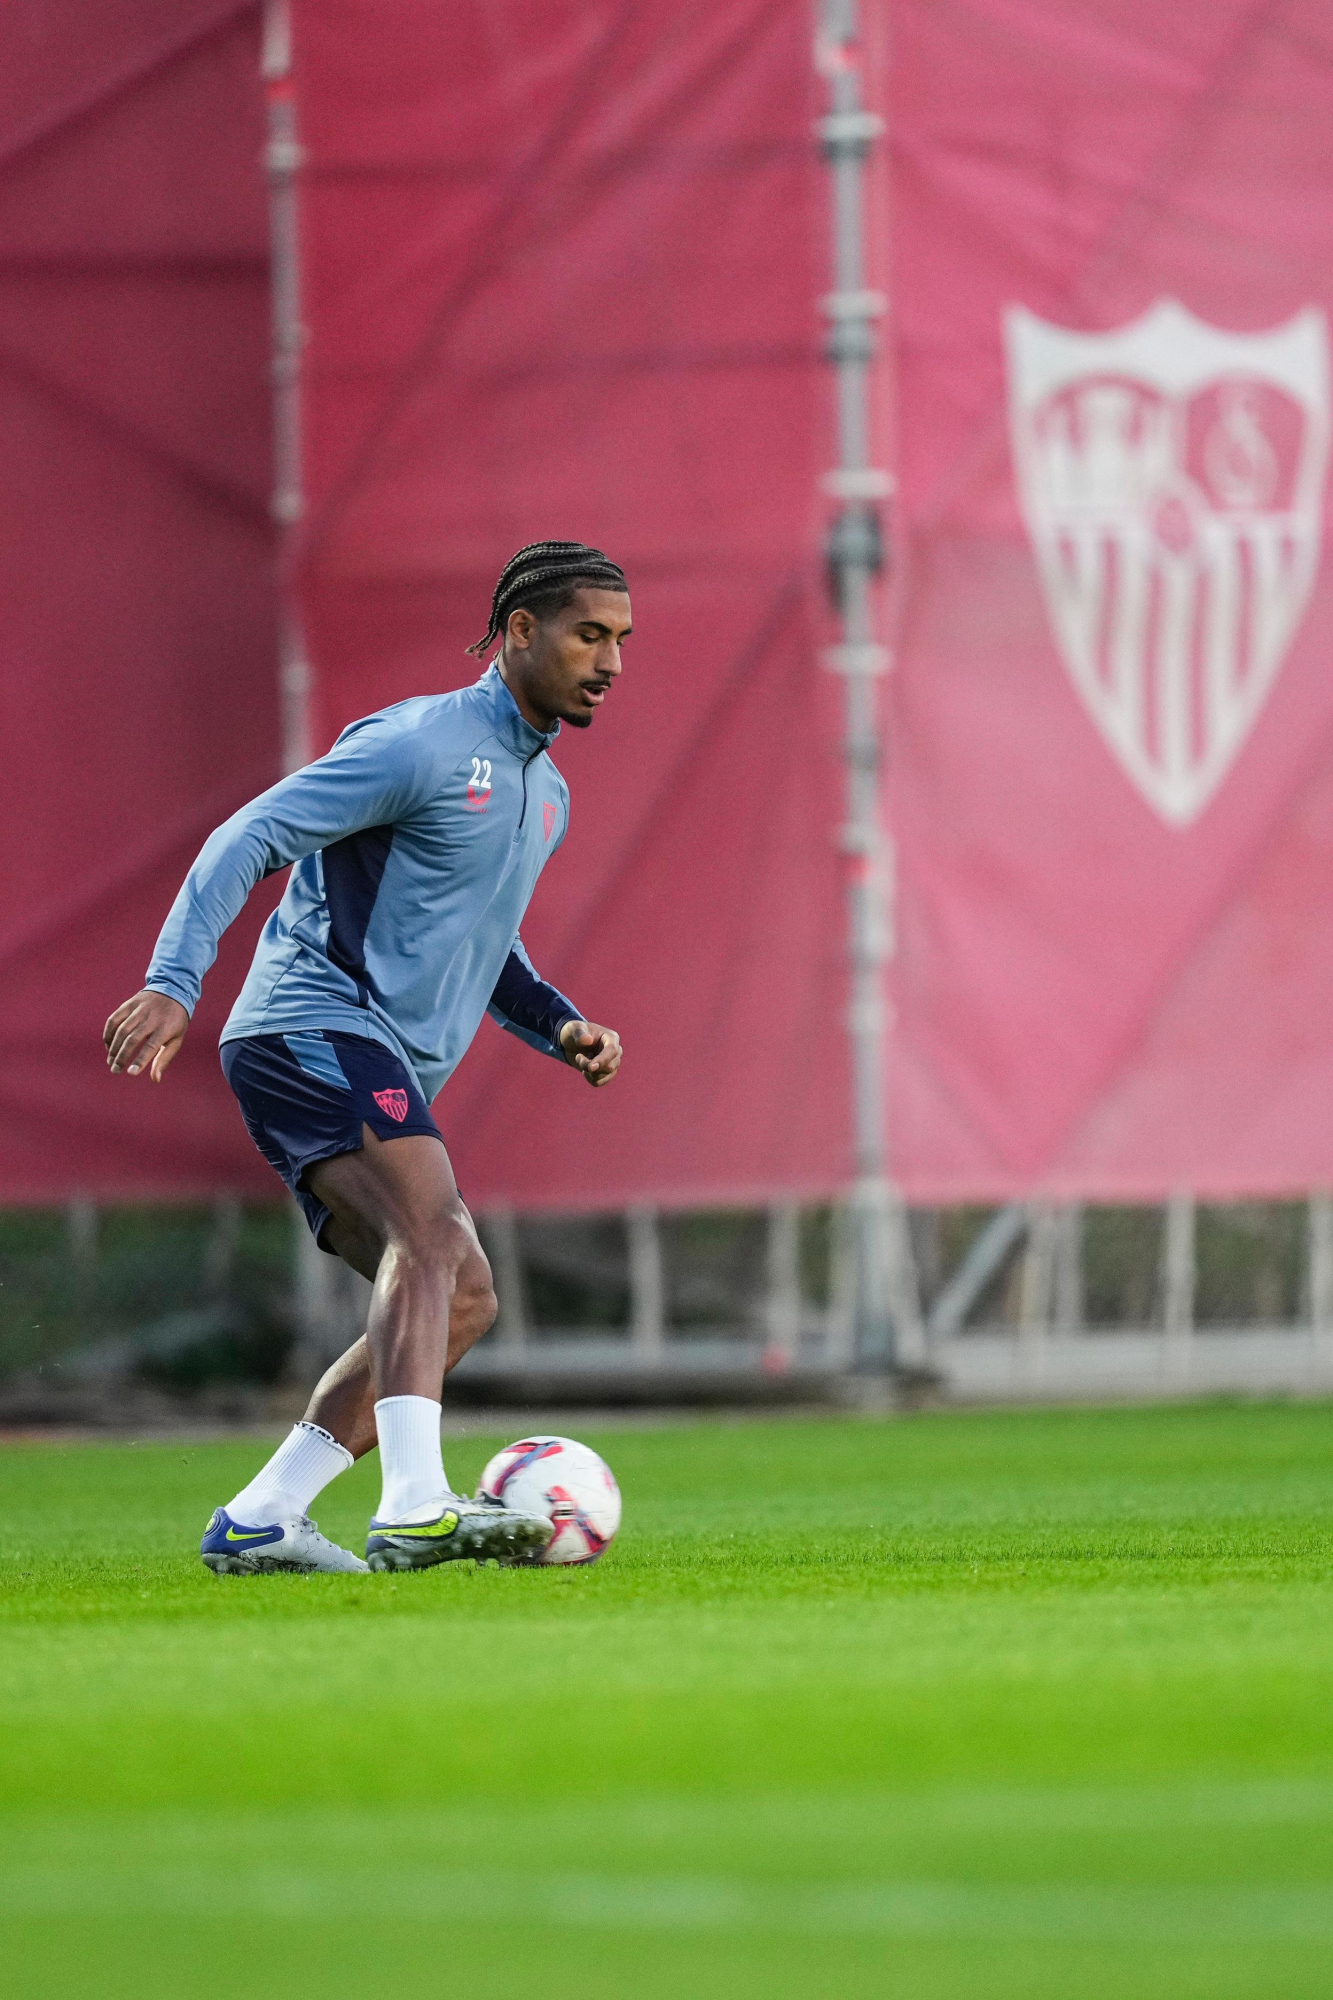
565	1481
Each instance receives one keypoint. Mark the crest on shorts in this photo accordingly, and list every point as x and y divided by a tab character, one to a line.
393	1103
1171	477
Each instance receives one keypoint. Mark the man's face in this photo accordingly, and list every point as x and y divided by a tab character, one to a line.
567	662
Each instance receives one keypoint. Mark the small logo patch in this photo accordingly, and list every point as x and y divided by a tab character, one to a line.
548	817
429	1531
393	1103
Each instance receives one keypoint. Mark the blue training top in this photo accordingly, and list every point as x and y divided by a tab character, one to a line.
417	841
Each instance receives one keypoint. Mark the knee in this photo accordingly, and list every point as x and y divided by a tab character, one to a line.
445	1253
448	1250
440	1246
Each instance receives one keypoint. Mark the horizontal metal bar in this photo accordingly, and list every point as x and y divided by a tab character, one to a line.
283	156
849	131
1134	1363
858	482
853	305
592	1355
866	658
287	506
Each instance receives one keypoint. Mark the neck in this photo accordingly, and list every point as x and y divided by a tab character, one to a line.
514	682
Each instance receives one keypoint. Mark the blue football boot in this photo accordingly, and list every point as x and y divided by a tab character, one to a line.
231	1549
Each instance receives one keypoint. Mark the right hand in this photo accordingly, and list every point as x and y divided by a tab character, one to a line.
592	1050
145	1032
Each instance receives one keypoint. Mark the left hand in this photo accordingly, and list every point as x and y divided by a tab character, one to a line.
596	1051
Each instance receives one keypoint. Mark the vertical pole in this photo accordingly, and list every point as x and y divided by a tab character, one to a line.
81	1231
1037	1284
282	160
511	1292
222	1246
904	1290
783	1304
1321	1269
81	1239
1068	1306
1178	1286
882	1273
647	1284
839	1321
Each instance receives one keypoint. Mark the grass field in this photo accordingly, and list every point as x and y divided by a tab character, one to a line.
985	1705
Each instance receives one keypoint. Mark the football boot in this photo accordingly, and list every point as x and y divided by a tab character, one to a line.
232	1549
463	1530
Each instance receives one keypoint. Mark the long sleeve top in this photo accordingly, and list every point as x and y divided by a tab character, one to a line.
417	843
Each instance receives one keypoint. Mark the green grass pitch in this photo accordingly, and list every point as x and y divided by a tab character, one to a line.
1033	1705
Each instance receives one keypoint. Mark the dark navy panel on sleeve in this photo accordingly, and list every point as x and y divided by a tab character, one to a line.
528	1006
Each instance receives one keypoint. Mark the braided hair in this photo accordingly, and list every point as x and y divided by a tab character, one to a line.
543	577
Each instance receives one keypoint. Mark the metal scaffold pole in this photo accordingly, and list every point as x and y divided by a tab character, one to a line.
283	161
886	1313
321	1335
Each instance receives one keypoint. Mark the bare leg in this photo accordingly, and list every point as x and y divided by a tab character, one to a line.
398	1219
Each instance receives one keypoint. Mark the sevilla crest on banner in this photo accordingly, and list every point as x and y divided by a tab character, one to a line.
1171	477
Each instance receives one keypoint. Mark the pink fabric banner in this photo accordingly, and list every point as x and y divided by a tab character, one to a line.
560	268
1113	713
138	696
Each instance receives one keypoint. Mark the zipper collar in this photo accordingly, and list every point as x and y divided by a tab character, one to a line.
513	729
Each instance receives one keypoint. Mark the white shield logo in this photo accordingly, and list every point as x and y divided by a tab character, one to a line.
1171	477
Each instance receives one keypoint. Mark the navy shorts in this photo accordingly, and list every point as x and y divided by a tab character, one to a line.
305	1097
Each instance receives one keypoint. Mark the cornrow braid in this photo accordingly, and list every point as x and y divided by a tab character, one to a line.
542	570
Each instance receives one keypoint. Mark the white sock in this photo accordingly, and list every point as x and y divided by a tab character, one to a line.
302	1466
411	1462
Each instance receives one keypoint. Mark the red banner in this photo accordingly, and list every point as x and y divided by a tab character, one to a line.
139	679
560	278
561	282
1113	715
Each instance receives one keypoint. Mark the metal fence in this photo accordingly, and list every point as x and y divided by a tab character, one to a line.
1025	1301
1022	1302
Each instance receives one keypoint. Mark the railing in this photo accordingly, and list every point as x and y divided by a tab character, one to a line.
779	1337
1028	1301
1037	1340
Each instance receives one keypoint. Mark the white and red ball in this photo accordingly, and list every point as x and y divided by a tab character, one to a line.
564	1480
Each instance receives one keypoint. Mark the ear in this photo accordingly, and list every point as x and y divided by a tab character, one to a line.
520	628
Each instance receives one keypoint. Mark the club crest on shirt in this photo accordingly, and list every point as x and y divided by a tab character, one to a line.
479	786
548	818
